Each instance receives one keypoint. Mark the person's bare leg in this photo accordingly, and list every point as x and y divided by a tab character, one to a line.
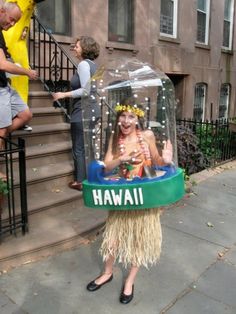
130	280
3	133
107	271
21	119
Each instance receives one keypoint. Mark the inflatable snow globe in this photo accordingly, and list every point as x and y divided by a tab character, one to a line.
153	92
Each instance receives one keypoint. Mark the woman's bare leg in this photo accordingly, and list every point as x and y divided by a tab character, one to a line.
108	270
130	280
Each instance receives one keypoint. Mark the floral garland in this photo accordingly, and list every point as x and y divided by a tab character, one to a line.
137	111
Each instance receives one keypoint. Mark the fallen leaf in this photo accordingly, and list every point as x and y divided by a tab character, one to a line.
209	224
27	262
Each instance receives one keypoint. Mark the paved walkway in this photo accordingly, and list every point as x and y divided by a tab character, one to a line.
196	273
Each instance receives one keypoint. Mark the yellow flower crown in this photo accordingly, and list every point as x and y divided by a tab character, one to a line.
137	111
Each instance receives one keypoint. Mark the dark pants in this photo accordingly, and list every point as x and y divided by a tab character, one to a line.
77	136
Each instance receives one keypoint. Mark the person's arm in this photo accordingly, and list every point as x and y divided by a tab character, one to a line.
85	77
83	71
10	67
110	163
167	151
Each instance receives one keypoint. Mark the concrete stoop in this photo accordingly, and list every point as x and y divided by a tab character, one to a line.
51	231
57	217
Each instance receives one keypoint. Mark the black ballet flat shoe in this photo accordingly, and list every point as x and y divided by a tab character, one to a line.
92	286
124	298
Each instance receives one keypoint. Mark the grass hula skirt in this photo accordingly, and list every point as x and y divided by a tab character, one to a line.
133	237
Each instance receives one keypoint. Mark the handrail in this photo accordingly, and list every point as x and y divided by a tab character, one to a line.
55	68
54	64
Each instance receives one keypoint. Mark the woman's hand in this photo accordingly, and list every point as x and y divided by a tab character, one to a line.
57	96
167	152
132	158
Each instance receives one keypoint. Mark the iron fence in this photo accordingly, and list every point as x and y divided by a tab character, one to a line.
216	140
13	205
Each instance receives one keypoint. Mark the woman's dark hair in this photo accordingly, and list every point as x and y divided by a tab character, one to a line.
132	103
90	48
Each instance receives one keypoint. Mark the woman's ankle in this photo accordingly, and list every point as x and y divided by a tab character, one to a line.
103	277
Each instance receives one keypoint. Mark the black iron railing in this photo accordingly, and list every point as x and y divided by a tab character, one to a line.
215	139
53	63
13	205
55	68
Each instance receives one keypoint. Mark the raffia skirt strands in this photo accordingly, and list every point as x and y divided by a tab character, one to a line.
133	237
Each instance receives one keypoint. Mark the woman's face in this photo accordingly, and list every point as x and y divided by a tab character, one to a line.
127	122
78	50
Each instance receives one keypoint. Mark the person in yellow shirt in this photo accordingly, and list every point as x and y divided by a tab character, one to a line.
16	42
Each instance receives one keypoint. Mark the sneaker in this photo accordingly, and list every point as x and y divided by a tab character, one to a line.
27	128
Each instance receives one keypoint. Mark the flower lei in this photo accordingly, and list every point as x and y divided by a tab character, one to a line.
126	168
137	111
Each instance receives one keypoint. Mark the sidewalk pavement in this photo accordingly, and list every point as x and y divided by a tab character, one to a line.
196	273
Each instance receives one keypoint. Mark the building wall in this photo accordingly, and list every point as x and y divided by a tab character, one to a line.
186	62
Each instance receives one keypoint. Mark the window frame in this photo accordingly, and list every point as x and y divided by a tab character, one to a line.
203	107
207	24
67	21
227	103
130	27
175	20
231	21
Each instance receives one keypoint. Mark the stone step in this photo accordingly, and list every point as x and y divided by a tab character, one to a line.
44	134
43	200
50	232
40	99
47	115
49	182
36	85
41	155
48	177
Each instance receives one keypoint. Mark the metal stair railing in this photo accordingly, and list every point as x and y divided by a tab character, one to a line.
13	215
55	68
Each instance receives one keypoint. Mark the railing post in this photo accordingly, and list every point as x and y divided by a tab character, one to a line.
23	190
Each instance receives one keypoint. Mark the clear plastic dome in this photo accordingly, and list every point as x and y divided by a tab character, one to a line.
120	79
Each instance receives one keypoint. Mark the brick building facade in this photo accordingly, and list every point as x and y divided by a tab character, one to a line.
192	41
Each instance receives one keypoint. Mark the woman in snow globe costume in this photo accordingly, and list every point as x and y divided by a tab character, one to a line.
131	237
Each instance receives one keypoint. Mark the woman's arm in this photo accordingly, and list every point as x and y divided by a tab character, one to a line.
167	151
110	162
83	71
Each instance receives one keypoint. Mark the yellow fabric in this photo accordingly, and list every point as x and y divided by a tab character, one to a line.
17	46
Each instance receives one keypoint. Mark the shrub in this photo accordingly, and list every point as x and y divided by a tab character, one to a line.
3	187
190	157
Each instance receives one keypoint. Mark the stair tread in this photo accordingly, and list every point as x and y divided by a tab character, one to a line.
51	227
49	148
39	93
51	170
44	128
40	201
57	195
45	110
